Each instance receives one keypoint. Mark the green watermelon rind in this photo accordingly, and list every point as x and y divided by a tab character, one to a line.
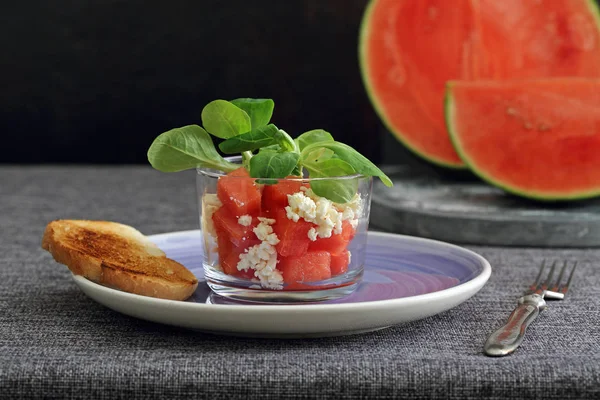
595	10
449	111
364	69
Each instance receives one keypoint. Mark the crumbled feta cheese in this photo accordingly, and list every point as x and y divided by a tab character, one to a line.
263	257
351	210
328	216
300	206
315	209
210	204
264	231
268	221
312	234
245	220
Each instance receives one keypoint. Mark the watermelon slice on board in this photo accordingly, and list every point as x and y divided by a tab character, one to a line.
409	49
535	138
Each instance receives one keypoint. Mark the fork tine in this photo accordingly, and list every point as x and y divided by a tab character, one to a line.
535	284
556	286
550	275
564	288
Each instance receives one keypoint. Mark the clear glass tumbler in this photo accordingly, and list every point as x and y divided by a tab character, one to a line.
277	241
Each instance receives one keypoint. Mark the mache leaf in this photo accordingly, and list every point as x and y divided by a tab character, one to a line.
255	139
224	119
313	137
185	148
340	190
259	110
360	163
271	164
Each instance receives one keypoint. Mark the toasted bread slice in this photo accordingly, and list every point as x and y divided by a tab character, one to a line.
117	256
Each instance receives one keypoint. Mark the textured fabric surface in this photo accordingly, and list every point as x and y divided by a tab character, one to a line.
57	343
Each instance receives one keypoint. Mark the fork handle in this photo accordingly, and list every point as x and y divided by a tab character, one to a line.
506	339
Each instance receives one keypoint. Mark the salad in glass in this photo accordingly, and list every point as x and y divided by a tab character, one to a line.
282	219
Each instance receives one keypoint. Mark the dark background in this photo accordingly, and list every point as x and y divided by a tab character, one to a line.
94	81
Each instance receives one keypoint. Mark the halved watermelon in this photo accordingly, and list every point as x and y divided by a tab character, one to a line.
536	138
410	48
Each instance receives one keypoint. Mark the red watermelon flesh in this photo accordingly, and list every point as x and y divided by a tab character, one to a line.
339	263
227	223
542	38
293	236
275	196
239	193
409	49
311	267
336	243
536	138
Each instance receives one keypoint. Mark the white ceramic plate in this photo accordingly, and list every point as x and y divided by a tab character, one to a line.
406	279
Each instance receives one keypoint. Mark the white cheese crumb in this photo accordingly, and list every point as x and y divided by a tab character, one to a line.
328	216
268	221
210	204
351	210
264	231
349	257
245	220
263	257
315	209
312	234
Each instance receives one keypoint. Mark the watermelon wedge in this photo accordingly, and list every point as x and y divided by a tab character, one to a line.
409	49
535	138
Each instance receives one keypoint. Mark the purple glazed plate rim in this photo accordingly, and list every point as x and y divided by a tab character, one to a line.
309	320
478	276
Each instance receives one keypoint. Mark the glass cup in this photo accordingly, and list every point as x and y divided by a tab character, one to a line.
276	241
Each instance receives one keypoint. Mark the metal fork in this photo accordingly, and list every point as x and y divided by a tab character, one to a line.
506	339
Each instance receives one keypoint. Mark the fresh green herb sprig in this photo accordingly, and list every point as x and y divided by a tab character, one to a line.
268	152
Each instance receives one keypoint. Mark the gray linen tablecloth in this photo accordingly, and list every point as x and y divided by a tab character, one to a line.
56	343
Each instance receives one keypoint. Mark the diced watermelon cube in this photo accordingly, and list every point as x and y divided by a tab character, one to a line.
229	265
337	243
229	262
275	196
229	255
239	193
311	267
224	244
226	222
247	274
293	236
339	263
